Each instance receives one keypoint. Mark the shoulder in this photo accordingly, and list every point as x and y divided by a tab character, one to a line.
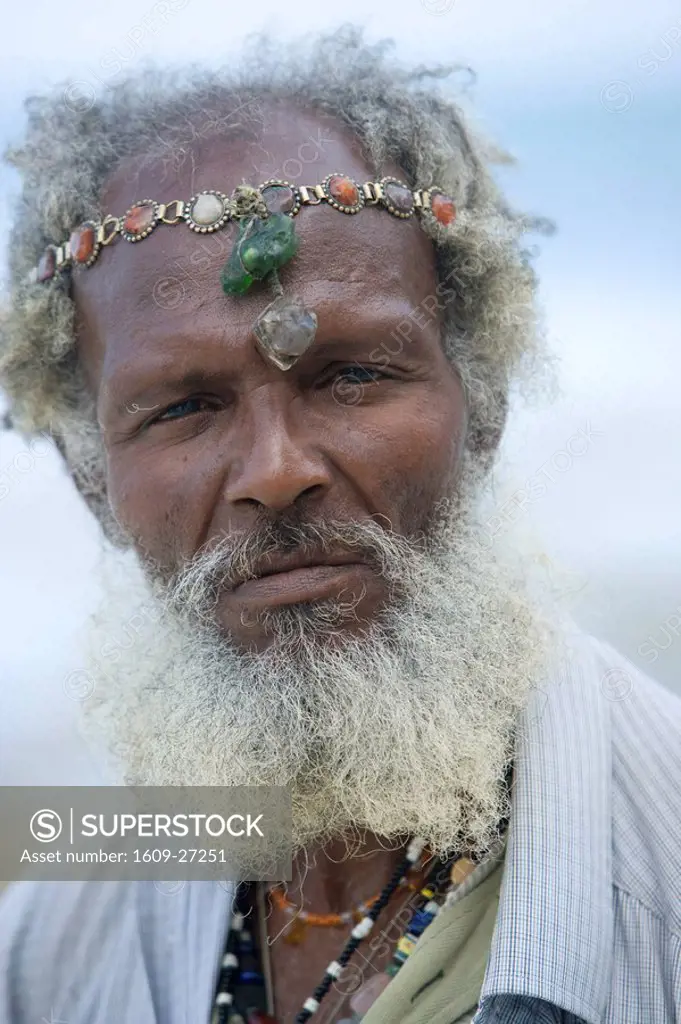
645	724
598	680
633	694
51	935
92	952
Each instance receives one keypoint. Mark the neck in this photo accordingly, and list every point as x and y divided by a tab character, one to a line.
335	877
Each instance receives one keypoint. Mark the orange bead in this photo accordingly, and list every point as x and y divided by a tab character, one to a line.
318	920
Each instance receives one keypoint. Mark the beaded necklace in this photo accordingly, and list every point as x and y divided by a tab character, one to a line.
301	920
240	966
445	877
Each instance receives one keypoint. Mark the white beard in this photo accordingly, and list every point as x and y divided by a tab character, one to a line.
405	730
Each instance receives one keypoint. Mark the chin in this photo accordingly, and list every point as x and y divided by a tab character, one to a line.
329	621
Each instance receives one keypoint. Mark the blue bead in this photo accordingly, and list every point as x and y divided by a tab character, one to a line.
251	977
420	922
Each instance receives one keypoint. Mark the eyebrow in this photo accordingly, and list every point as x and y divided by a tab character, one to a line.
165	383
163	377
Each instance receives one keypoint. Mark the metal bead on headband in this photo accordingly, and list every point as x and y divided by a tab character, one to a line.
265	242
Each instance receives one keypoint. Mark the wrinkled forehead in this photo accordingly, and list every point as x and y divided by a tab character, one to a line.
344	261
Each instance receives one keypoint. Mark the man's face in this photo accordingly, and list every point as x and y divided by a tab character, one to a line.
206	441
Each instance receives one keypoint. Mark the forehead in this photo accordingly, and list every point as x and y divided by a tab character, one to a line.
346	265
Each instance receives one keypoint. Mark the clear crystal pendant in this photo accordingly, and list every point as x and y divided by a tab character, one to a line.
285	330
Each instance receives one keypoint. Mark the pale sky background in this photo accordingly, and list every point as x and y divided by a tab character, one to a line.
588	99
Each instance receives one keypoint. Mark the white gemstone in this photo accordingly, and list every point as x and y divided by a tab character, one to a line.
223	999
207	209
230	960
285	330
334	969
311	1005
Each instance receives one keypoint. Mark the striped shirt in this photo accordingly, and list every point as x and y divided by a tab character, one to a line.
588	929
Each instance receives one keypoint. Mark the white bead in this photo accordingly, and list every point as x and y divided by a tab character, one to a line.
334	969
230	960
361	930
432	907
223	999
415	849
311	1005
237	922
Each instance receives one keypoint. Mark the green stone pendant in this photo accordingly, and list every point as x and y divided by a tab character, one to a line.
261	246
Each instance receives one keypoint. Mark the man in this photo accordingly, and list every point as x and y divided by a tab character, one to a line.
299	474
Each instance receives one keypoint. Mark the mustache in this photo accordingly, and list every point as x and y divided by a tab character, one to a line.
231	559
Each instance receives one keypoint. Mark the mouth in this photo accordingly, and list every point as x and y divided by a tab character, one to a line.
300	580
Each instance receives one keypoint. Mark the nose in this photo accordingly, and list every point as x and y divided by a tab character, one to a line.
280	464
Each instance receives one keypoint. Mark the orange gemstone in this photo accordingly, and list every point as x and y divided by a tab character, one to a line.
443	208
344	191
46	266
138	219
82	243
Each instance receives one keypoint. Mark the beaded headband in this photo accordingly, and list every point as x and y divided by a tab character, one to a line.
266	240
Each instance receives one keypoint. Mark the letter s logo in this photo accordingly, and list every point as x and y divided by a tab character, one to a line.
46	826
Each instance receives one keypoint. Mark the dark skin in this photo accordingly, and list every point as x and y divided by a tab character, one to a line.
239	438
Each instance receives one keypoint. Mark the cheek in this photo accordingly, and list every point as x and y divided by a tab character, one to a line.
162	498
406	457
427	451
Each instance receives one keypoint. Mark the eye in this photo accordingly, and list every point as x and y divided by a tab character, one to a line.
188	407
359	374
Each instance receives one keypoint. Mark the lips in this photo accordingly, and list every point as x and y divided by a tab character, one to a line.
286	564
301	580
